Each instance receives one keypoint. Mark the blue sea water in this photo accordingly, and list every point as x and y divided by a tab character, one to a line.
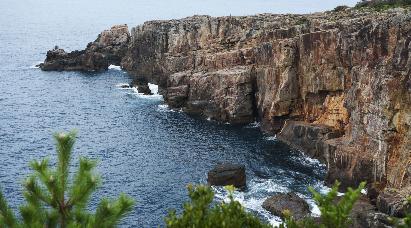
143	148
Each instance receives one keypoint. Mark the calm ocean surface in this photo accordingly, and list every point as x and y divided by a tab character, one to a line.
143	148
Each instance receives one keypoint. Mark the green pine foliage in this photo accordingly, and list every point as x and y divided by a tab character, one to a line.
52	201
334	212
199	213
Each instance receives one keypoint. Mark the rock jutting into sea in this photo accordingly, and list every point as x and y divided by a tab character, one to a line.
335	85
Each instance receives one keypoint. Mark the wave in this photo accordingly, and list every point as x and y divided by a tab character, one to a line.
35	66
271	138
123	86
114	67
153	88
253	125
154	91
259	189
164	108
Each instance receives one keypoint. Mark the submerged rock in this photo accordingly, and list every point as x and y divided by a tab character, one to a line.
109	48
227	174
279	203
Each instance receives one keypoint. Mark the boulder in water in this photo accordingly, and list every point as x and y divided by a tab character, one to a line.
227	174
279	203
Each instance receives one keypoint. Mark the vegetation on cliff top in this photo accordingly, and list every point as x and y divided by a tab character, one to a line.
383	4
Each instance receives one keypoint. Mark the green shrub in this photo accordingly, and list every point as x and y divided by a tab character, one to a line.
340	8
53	202
381	5
334	212
198	212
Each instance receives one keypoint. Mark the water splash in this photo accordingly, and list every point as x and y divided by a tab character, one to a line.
114	67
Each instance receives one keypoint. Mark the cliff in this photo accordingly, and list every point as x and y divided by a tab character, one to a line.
336	85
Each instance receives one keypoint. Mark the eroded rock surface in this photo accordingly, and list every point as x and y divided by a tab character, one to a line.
394	202
109	48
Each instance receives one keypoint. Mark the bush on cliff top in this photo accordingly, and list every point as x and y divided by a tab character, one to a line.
51	201
383	4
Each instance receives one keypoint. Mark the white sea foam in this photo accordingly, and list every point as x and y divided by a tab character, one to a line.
35	66
164	108
123	86
306	160
271	138
254	197
253	125
114	67
154	91
153	88
258	190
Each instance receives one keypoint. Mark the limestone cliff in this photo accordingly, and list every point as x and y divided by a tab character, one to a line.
336	84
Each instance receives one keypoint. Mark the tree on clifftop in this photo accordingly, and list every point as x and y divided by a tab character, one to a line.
54	202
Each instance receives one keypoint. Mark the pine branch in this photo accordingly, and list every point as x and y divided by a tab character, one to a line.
84	184
109	213
65	144
6	214
34	190
47	178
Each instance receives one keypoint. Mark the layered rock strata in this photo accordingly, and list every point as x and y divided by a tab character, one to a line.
336	85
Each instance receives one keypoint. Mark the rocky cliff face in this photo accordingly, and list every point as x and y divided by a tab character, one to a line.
346	75
336	85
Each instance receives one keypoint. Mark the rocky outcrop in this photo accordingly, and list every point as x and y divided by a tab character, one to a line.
290	202
109	48
227	174
395	202
337	84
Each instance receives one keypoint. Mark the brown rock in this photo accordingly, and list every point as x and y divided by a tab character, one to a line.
227	174
279	203
395	202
